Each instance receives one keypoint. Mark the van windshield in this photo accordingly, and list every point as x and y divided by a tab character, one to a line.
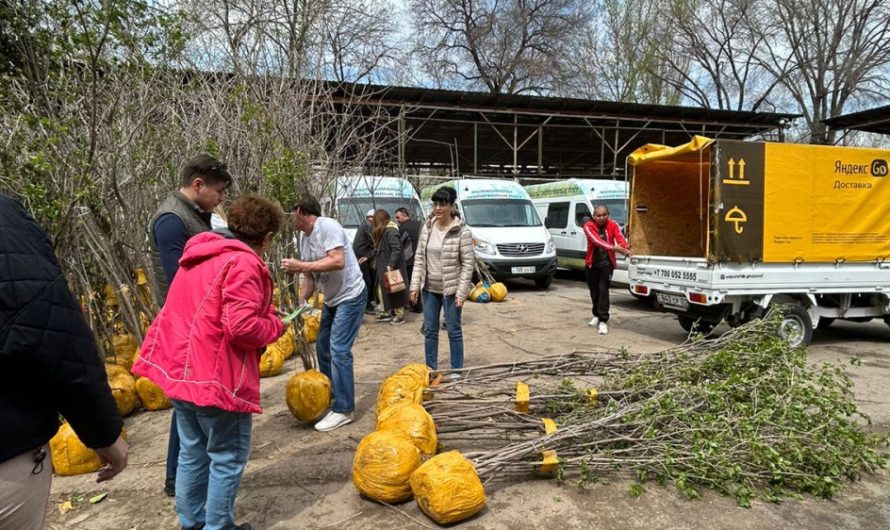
500	212
352	211
616	208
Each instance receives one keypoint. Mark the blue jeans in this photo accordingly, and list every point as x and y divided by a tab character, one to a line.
172	449
333	346
214	445
432	304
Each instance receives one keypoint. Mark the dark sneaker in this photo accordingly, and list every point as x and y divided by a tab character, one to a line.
397	321
243	526
170	487
383	317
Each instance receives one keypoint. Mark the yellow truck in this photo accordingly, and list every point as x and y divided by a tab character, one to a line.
722	229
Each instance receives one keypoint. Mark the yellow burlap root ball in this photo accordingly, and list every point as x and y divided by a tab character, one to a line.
447	488
308	395
384	462
124	350
396	389
420	372
285	344
123	386
151	395
311	323
498	292
70	456
412	420
271	362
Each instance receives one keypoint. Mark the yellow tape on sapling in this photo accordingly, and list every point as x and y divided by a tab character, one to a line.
522	397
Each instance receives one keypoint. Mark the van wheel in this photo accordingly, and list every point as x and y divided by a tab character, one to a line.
796	327
688	323
543	282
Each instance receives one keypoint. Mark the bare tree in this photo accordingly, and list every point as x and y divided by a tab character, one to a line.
507	47
627	54
830	55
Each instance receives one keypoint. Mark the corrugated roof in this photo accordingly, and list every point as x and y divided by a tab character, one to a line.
876	120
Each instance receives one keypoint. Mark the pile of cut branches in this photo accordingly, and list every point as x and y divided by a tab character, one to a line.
743	414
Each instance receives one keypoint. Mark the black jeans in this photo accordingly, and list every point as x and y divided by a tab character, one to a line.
370	279
598	283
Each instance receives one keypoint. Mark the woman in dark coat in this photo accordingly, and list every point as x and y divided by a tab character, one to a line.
385	235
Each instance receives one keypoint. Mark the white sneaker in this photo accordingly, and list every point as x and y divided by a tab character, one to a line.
593	322
603	328
332	421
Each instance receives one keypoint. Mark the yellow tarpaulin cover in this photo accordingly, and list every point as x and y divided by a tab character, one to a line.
651	152
447	488
384	462
151	395
396	389
308	394
412	420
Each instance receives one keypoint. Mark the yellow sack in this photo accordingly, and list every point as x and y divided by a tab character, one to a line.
124	348
123	386
396	389
151	395
447	488
271	362
285	344
498	292
316	300
384	461
311	323
70	456
420	372
412	420
308	394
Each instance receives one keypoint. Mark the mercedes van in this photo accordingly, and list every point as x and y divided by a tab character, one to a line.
508	234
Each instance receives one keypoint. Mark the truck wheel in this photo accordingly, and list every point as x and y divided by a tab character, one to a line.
687	323
543	282
796	327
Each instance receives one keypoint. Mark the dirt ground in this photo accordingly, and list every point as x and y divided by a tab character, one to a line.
299	478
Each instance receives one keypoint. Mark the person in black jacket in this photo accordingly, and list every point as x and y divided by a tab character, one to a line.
409	233
49	365
363	247
388	248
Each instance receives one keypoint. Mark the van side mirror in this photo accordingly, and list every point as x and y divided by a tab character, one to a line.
546	222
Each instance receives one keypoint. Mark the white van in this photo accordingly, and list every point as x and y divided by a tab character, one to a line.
565	206
353	196
508	234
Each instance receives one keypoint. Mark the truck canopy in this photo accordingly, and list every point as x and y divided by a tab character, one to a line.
735	201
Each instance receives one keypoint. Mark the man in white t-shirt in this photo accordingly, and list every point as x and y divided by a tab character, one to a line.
328	265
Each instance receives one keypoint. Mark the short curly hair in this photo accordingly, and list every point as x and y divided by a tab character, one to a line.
251	217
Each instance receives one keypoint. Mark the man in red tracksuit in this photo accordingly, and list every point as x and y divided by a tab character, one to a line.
604	239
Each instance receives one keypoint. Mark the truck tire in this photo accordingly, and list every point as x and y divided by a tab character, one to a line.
687	323
543	282
796	327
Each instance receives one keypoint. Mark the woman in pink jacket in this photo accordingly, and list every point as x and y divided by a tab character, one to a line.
203	350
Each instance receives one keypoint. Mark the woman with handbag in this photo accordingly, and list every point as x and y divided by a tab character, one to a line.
391	268
443	271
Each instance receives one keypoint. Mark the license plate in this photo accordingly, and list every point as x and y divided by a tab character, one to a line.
522	270
672	300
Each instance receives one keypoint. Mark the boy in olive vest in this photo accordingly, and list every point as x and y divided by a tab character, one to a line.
183	214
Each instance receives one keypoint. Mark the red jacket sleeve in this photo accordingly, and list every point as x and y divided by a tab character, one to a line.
247	321
615	232
593	236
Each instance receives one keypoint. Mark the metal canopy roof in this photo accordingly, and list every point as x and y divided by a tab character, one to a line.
535	138
875	120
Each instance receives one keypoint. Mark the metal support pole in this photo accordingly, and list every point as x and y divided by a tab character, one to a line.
540	149
475	148
515	147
